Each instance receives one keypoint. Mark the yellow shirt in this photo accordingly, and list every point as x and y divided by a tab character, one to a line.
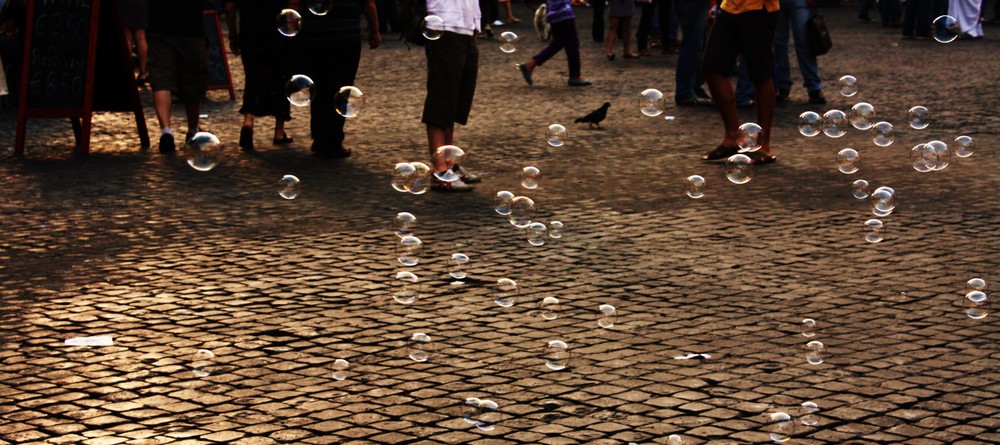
741	6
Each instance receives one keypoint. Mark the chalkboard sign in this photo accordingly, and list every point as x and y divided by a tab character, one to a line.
57	61
76	62
219	77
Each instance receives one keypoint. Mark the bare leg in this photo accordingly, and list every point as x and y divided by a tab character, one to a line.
248	120
725	100
765	113
161	101
193	109
142	48
610	38
279	129
626	24
436	137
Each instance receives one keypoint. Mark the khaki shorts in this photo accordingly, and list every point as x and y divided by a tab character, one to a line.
178	64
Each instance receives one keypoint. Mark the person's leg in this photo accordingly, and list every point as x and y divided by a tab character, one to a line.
721	51
572	47
663	11
645	23
436	137
725	100
336	70
557	42
161	102
143	49
446	61
609	45
692	16
757	37
626	25
925	10
745	93
597	27
799	13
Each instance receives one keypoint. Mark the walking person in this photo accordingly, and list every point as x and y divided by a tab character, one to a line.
742	27
135	17
692	16
563	38
620	14
452	70
793	17
263	50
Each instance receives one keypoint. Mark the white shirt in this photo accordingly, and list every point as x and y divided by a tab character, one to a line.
459	16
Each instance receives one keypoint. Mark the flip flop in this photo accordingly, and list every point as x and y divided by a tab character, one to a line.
721	152
758	158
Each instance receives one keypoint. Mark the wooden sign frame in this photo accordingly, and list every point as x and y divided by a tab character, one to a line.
82	117
222	52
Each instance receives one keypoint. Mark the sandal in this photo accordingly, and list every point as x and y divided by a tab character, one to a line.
757	158
720	152
246	138
283	140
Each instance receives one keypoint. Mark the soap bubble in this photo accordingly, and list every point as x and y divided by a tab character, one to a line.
300	90
348	101
483	414
860	189
203	363
848	161
651	102
874	231
557	135
433	27
505	292
964	146
883	200
780	427
808	414
507	41
289	22
861	116
945	29
471	410
808	327
420	347
203	152
406	287
739	169
408	250
529	177
404	223
449	155
835	123
923	157
882	134
810	123
608	317
977	305
502	202
421	179
941	155
522	211
556	355
457	266
748	137
674	439
339	366
978	284
555	229
816	353
402	175
549	308
289	187
536	233
320	8
919	117
848	85
695	186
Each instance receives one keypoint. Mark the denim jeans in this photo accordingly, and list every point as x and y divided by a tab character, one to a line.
793	16
692	16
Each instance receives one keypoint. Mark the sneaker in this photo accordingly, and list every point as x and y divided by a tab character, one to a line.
465	176
816	97
167	143
782	96
454	186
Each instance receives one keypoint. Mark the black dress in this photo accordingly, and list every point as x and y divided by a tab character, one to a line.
263	51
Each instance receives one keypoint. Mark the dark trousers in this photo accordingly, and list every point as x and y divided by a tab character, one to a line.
917	19
563	38
387	17
890	12
331	65
662	10
597	29
866	5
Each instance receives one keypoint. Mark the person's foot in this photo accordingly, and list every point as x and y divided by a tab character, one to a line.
816	97
466	176
721	152
525	72
694	102
758	157
454	186
645	53
579	83
282	139
631	56
246	138
749	103
782	96
324	152
167	143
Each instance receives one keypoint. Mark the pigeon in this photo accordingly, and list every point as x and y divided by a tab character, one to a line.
596	116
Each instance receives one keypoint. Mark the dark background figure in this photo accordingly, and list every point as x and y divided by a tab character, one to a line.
660	9
387	17
597	26
135	17
917	18
12	21
490	10
693	18
263	51
328	50
890	11
178	62
863	11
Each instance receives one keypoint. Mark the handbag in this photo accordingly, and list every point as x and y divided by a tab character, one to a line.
817	36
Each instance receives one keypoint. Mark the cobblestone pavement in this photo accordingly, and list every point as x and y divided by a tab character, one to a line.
168	260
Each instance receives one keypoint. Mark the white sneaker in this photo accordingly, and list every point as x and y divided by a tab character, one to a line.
453	186
465	176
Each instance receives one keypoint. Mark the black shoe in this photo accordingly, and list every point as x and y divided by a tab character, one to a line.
782	96
246	138
816	97
694	102
749	103
167	143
